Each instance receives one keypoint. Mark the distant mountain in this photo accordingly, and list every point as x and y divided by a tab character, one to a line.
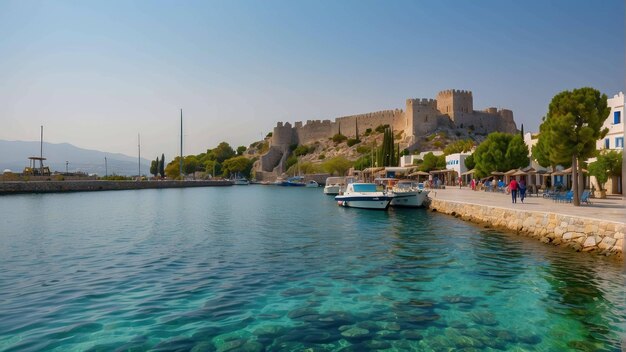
14	156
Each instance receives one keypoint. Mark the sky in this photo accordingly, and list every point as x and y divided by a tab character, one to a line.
97	74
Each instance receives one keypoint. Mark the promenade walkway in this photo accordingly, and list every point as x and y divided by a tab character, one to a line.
611	209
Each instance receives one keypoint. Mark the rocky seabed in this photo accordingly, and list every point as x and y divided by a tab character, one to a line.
581	234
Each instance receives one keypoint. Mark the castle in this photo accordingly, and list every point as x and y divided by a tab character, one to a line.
451	109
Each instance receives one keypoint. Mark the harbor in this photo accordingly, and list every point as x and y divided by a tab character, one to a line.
153	270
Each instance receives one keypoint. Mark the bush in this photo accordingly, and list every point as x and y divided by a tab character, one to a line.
269	135
322	156
303	150
352	141
292	160
368	131
338	138
381	128
363	149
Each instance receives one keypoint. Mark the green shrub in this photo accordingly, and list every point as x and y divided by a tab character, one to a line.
352	141
363	149
322	156
338	138
292	160
368	131
381	128
303	150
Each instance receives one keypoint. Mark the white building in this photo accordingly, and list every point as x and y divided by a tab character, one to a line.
615	123
456	162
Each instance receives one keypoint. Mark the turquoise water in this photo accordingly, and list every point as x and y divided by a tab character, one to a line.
284	269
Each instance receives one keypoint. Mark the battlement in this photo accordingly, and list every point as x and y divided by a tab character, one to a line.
456	92
422	102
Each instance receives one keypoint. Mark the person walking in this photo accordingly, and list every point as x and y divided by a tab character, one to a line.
522	190
513	189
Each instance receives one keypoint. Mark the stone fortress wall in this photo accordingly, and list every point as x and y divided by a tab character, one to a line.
452	109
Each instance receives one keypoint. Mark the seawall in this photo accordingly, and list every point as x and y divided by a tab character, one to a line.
580	233
96	185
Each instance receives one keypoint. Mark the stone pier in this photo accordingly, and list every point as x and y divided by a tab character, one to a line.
598	230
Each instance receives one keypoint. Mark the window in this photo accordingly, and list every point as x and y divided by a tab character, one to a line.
617	117
619	142
606	143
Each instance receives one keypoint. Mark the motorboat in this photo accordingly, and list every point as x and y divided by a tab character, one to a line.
408	193
312	184
241	182
333	185
295	181
363	195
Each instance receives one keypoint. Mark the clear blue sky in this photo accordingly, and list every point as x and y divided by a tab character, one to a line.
96	73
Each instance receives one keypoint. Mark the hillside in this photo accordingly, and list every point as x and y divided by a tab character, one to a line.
14	156
312	155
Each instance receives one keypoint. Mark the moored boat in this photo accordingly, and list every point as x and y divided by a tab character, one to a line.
295	181
364	196
241	182
408	193
312	184
333	185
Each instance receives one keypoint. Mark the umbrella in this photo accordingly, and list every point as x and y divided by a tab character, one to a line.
569	171
497	173
419	173
520	173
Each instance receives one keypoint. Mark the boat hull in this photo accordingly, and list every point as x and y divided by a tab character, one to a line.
332	190
364	202
413	199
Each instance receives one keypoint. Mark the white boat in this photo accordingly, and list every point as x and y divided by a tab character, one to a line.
312	184
334	185
241	182
408	193
363	195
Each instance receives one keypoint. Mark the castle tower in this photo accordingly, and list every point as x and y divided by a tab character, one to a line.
420	116
455	102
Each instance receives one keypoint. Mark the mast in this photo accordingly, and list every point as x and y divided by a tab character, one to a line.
41	152
139	158
181	144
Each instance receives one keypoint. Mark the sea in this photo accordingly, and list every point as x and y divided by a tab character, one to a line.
268	268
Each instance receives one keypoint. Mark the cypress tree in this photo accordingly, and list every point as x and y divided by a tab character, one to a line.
356	127
162	165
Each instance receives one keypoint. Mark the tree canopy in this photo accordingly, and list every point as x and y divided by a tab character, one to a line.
237	165
607	164
500	152
338	165
572	127
432	162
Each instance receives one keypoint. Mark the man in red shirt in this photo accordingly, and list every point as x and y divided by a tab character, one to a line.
513	189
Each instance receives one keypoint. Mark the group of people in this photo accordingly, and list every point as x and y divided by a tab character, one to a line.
514	187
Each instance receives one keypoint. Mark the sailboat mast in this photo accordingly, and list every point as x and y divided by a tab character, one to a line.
181	144
40	153
139	158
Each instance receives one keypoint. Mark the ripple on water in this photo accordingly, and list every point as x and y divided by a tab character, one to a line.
220	270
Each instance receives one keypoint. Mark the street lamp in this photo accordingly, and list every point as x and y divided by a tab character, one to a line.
106	170
66	164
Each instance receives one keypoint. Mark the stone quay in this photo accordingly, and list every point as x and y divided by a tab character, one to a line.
598	227
17	187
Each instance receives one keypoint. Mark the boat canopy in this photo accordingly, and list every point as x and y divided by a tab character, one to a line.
365	187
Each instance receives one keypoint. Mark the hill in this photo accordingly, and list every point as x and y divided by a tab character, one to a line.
14	156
